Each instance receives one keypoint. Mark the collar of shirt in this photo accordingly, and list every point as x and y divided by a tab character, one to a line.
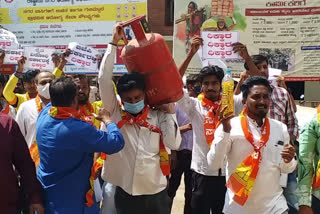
136	168
254	122
262	199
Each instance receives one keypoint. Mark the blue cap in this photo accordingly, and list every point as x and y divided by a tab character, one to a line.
228	72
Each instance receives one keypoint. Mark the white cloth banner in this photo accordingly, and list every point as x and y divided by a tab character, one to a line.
12	56
83	56
8	41
218	45
39	58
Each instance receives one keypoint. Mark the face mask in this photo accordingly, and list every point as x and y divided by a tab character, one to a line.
43	90
134	108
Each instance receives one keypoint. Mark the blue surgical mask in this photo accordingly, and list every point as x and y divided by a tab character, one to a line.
134	108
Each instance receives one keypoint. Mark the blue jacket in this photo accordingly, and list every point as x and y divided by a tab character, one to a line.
66	148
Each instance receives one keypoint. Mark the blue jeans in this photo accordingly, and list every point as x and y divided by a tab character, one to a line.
108	205
289	192
315	205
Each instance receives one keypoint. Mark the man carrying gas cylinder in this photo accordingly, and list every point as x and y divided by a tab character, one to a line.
139	171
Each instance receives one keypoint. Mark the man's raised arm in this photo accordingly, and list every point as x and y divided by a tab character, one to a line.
196	41
107	92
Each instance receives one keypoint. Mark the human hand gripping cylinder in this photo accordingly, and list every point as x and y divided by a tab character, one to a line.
149	55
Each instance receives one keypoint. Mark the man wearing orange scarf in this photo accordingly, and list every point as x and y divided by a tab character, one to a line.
257	150
66	145
208	189
139	171
85	107
29	110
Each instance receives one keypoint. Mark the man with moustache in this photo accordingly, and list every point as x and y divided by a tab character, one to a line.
66	150
85	107
281	108
208	185
257	150
139	171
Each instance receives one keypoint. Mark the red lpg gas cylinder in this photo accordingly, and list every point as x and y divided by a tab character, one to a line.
149	55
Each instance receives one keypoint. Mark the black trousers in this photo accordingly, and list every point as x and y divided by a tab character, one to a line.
315	205
182	167
208	193
159	203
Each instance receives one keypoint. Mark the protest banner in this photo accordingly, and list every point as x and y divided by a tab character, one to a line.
218	45
8	41
83	56
39	58
12	56
286	31
57	23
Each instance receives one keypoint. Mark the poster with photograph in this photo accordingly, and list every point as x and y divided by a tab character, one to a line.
287	32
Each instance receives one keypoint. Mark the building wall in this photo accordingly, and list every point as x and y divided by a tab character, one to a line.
157	20
156	17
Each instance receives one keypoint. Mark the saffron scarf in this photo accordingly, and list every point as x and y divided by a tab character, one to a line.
211	120
34	152
316	179
28	96
5	110
141	120
64	113
243	178
86	111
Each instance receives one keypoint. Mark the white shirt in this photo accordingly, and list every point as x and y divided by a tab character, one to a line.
136	168
266	196
27	119
93	94
238	105
196	112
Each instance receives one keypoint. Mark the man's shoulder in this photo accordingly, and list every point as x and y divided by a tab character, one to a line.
235	123
24	96
71	124
280	90
6	123
27	107
5	119
154	113
276	123
158	115
27	104
234	119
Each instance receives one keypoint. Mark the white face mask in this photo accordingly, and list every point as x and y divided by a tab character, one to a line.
43	90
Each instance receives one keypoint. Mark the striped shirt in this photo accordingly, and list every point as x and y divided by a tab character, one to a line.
281	109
